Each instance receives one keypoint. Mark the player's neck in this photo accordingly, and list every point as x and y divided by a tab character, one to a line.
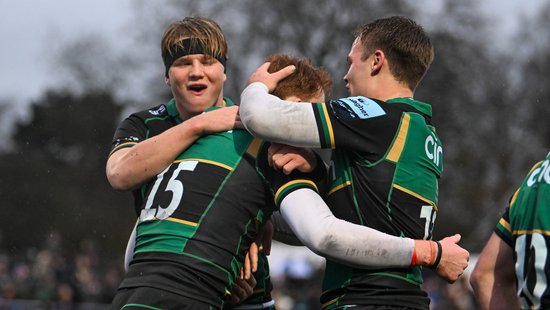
384	87
387	93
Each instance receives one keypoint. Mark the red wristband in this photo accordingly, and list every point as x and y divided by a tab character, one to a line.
413	258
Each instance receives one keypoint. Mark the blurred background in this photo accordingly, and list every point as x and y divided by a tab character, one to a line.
72	69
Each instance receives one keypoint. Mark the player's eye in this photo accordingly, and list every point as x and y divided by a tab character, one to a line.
208	60
182	62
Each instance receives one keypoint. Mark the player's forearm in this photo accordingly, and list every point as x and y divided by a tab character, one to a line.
483	291
490	295
276	120
355	245
493	278
129	168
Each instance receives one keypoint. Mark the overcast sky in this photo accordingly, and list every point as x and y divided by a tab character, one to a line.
29	29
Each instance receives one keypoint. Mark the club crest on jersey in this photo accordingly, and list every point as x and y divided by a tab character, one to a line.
361	107
158	111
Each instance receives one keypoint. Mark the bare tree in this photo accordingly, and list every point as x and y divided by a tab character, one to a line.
321	30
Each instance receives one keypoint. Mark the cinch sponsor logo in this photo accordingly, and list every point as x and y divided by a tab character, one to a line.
540	174
158	111
434	151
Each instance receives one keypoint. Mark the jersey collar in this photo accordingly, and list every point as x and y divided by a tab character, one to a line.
419	105
173	111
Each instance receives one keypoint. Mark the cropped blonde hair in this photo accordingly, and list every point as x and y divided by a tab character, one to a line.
205	34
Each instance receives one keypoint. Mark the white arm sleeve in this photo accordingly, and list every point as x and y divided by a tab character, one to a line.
129	254
282	232
272	119
355	245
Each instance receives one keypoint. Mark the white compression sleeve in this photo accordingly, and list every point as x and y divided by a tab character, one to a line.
355	245
270	118
129	254
282	232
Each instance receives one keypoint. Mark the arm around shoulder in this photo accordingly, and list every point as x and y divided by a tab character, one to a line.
355	245
130	167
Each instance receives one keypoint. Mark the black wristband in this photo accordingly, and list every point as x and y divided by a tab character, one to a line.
438	257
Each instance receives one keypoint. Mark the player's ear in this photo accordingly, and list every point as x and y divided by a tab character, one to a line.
167	80
378	59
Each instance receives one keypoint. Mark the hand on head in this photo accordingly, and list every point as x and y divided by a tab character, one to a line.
270	79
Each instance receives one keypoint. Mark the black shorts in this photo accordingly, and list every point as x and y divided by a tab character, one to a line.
154	299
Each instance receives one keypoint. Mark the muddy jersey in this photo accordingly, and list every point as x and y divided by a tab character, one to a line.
384	173
525	226
198	217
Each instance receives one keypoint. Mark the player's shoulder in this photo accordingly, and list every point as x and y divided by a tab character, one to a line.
538	174
156	111
360	107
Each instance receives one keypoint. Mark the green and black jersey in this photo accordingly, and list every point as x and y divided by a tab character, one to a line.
525	226
384	173
262	291
198	217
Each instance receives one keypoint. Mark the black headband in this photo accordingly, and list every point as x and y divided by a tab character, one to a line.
188	47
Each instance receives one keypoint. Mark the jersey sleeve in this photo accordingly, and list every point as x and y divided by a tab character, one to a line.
360	124
131	131
503	228
356	123
281	184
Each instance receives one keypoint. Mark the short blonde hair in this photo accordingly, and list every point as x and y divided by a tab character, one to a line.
202	30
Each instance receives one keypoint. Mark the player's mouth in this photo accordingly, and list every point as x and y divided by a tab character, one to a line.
196	88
